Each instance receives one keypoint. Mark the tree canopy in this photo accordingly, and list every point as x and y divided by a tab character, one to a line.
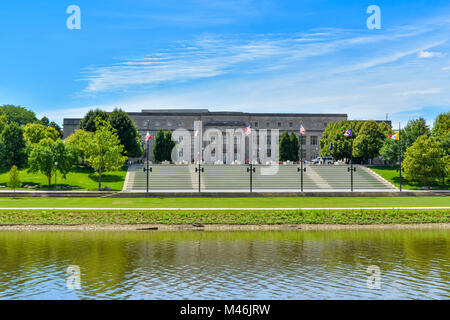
103	149
88	123
424	160
12	146
19	115
35	132
369	141
127	132
285	147
46	153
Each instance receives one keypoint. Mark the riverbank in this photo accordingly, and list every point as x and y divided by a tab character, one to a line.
200	218
218	227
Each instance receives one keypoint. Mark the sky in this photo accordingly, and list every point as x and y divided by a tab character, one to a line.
303	56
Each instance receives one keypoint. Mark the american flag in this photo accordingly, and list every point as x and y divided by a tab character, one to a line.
148	136
348	133
302	129
248	130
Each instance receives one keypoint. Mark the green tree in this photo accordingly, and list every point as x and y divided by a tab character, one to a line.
35	132
169	144
79	140
159	147
3	121
46	153
369	141
19	115
103	149
441	125
58	129
12	146
423	160
128	133
88	123
44	121
294	147
334	133
285	147
390	151
413	130
13	178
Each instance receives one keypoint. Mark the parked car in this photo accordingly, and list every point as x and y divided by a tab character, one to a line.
323	160
327	160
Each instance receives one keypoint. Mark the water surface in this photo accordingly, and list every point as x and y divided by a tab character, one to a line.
413	264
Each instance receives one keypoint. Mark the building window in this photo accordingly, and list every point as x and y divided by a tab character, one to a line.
325	124
303	140
180	153
180	139
269	140
236	140
256	124
290	124
157	124
180	123
169	123
225	140
314	140
268	124
213	138
279	124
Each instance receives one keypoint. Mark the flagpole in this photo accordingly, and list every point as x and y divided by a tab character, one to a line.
351	156
400	156
251	158
148	125
301	159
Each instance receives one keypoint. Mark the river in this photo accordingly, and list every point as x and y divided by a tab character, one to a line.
348	264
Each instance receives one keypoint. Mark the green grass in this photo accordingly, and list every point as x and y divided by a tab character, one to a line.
276	202
81	177
247	217
391	175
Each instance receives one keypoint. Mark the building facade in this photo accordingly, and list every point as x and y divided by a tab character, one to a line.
188	119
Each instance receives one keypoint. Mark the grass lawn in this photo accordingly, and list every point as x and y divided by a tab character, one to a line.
290	202
247	217
391	175
81	177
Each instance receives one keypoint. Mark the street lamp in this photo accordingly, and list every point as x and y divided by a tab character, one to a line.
56	167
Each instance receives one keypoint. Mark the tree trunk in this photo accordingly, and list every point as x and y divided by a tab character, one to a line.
100	178
49	181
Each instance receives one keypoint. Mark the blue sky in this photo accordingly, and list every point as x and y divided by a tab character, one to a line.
257	56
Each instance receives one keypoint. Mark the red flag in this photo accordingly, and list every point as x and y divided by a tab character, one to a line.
148	136
302	129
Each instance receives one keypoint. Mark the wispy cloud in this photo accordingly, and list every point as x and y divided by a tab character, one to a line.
429	54
422	92
210	56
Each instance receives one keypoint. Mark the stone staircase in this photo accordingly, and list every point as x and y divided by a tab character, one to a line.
236	177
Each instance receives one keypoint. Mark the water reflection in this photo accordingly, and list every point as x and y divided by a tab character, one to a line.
226	265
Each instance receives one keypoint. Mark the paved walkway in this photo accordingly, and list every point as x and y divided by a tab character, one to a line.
231	209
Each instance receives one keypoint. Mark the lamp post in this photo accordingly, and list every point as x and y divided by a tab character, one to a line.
301	169
351	169
56	167
147	169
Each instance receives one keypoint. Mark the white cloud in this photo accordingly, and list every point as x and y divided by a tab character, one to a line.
428	54
422	92
210	57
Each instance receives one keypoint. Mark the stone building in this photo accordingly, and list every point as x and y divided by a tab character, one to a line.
172	119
